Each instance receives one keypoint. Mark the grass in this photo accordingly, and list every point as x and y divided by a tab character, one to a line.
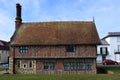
61	77
1	69
115	69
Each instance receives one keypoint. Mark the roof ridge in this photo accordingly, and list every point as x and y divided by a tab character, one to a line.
58	22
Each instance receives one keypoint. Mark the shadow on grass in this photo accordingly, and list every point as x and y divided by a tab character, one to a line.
101	70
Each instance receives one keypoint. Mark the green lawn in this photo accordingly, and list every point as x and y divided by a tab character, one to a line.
115	76
61	77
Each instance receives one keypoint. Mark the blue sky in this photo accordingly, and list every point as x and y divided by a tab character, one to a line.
105	12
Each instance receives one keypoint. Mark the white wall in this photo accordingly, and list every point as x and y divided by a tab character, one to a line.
99	59
99	56
4	54
113	46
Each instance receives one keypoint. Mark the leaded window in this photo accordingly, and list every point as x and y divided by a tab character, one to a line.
23	49
77	66
88	66
30	64
49	66
70	48
18	64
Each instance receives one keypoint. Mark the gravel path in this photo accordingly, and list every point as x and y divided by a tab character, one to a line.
3	72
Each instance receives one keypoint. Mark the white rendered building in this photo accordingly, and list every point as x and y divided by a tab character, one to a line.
4	52
110	48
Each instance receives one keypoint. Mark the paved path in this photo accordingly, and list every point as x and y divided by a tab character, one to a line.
3	72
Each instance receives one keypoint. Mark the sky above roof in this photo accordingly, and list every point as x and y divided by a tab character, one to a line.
105	13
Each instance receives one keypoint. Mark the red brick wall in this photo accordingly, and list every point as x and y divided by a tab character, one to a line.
43	52
59	65
56	51
11	52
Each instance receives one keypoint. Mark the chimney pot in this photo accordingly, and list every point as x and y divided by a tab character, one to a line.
18	7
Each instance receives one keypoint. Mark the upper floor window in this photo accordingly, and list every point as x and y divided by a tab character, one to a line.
118	39
103	50
23	49
70	48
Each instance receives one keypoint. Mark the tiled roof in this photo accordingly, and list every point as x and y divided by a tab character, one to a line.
104	42
114	33
1	44
56	33
4	45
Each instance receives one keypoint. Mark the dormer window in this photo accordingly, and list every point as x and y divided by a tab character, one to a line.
23	49
70	48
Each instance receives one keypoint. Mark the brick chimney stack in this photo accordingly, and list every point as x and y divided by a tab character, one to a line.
18	20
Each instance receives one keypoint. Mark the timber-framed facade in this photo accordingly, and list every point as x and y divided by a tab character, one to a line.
53	47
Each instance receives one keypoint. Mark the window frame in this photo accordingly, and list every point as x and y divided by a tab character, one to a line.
23	49
71	48
118	48
30	64
118	39
72	66
25	66
49	66
103	50
88	66
19	64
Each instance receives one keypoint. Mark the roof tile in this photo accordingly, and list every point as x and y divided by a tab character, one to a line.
56	33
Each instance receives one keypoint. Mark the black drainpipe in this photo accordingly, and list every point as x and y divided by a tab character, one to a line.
13	60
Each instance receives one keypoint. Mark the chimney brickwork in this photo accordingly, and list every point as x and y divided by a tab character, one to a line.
18	19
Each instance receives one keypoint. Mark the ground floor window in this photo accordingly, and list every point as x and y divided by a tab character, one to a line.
31	64
88	66
25	64
77	66
18	64
49	65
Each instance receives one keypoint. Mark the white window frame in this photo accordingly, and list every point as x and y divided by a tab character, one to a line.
118	48
118	39
25	67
